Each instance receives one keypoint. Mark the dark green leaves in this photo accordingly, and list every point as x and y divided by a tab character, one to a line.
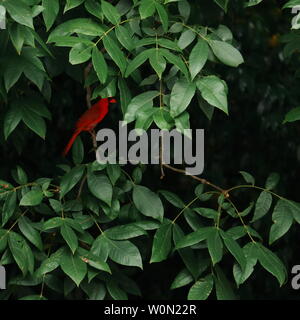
99	64
162	242
110	12
214	91
9	207
148	202
100	187
271	263
226	53
20	12
124	252
215	245
73	266
115	53
21	252
147	8
282	218
32	198
262	206
198	57
70	179
69	236
50	12
181	96
201	289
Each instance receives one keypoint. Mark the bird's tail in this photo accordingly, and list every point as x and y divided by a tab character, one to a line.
70	143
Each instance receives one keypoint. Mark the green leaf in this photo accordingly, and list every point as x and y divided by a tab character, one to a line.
99	64
100	247
215	245
32	198
73	266
138	60
201	289
187	254
19	247
207	213
94	8
182	279
283	220
182	122
292	115
158	63
9	207
114	172
69	236
172	198
148	202
52	223
34	122
25	225
12	118
251	260
125	94
162	242
186	38
20	12
163	119
115	53
115	291
50	263
137	103
80	25
222	3
70	179
194	237
272	181
181	96
263	205
175	60
80	53
124	253
71	4
163	15
214	91
198	57
110	12
96	262
50	13
248	177
271	263
224	289
100	187
78	151
124	232
146	8
125	37
234	249
226	53
17	36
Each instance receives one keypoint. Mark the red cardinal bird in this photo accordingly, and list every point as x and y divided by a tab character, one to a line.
89	120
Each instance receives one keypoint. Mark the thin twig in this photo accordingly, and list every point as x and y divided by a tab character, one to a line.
203	181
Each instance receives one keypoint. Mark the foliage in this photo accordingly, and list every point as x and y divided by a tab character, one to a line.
87	230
